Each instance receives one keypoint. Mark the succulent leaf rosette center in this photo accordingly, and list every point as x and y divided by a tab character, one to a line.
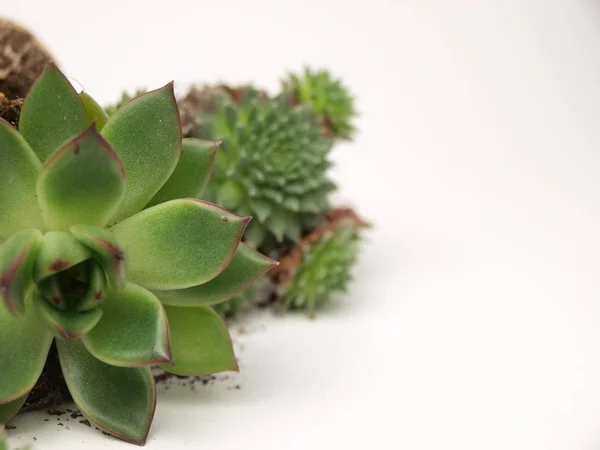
107	251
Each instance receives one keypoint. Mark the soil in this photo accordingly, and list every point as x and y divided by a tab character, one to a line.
22	59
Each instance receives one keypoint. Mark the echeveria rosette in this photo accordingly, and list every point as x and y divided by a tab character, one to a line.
332	102
272	165
321	265
108	251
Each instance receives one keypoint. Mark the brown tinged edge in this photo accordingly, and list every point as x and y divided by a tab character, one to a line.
7	277
273	264
244	219
75	142
170	87
51	66
140	442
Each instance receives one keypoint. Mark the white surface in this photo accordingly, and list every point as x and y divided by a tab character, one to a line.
474	321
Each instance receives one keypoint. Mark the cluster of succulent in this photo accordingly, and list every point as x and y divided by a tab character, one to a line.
273	165
108	254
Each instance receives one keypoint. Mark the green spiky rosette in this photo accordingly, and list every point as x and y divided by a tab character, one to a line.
272	164
320	266
332	102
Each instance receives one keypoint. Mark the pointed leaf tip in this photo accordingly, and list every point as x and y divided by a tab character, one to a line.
82	183
133	331
119	400
52	113
105	247
246	266
199	328
146	133
180	243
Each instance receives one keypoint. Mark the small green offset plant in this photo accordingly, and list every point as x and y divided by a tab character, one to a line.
320	266
272	165
331	100
108	253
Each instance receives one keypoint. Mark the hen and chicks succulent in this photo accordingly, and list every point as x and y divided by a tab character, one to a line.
109	254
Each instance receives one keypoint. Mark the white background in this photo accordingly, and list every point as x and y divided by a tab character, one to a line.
473	323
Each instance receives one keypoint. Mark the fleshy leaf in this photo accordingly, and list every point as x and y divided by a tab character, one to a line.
25	343
179	244
82	183
192	172
96	289
245	267
10	410
65	324
133	330
106	249
58	251
17	256
200	342
146	133
95	112
119	400
19	169
52	113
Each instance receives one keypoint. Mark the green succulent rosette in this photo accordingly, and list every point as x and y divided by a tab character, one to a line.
320	266
107	251
331	101
273	164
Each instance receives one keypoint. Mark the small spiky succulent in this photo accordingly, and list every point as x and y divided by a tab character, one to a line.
332	102
108	253
272	165
321	264
125	97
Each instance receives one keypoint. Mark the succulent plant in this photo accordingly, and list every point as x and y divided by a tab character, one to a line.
321	265
125	97
108	253
272	165
332	102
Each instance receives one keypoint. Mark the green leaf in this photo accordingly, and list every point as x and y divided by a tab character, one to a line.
95	112
17	256
19	169
146	133
52	113
245	267
200	342
132	332
96	289
107	251
65	324
25	343
119	400
192	172
3	444
11	409
58	251
82	183
179	244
